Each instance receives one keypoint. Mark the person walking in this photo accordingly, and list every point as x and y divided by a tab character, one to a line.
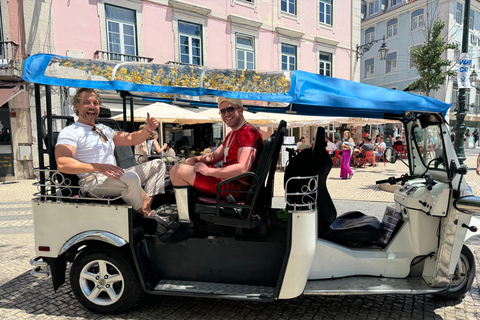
465	138
475	138
347	150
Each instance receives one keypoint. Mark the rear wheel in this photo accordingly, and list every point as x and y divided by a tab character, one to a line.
104	282
461	281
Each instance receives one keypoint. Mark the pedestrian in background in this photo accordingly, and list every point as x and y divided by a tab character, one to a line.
466	136
475	138
347	150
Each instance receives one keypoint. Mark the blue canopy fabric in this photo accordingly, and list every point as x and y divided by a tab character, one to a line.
308	93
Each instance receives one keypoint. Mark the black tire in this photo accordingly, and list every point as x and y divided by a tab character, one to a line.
461	283
92	273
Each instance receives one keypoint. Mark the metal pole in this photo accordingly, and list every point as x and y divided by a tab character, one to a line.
41	162
461	111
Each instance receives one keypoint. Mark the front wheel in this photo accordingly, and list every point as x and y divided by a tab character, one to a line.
104	282
461	281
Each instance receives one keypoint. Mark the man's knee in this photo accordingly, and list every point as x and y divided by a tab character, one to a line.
131	179
182	173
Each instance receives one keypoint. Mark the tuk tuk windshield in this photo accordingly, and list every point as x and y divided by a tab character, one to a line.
429	143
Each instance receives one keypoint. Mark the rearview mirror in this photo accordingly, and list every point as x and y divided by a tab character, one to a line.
391	155
452	170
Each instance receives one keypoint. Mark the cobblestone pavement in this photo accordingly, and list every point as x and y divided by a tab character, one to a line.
22	296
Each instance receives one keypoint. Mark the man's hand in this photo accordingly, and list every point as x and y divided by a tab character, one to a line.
202	168
191	161
152	123
109	170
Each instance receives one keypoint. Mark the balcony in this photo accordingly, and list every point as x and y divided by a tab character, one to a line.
9	61
105	55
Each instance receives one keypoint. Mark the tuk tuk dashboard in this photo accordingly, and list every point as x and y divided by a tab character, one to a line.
415	195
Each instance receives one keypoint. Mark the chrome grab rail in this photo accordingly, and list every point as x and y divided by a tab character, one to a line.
308	193
58	187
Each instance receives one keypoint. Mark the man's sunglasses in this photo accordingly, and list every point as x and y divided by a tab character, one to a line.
102	135
228	110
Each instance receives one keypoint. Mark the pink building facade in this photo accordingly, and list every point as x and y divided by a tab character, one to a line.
318	36
309	35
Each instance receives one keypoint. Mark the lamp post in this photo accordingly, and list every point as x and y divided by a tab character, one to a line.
461	112
382	52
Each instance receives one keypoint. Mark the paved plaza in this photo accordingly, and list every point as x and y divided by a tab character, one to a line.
23	296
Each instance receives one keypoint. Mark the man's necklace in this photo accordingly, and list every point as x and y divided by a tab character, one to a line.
230	140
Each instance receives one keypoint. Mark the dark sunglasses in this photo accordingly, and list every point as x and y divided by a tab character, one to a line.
228	110
102	135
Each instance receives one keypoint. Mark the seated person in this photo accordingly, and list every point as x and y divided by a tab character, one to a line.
167	150
367	146
331	147
398	141
380	146
240	152
84	147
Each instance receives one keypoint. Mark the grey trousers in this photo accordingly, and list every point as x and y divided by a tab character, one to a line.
150	175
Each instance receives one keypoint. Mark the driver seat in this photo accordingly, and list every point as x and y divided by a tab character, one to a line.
351	228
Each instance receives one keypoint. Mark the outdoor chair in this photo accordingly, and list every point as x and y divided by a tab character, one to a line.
369	156
337	160
382	157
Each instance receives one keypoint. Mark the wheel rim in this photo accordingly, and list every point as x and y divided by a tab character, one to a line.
459	280
101	282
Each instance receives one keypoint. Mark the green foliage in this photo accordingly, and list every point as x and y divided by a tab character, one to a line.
428	61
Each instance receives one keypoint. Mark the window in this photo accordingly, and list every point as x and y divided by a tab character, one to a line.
325	15
369	68
391	62
417	20
325	67
190	42
289	6
373	7
121	32
289	57
392	28
471	23
459	13
245	52
411	56
369	34
395	2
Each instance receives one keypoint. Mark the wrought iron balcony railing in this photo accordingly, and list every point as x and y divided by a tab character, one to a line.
105	55
8	54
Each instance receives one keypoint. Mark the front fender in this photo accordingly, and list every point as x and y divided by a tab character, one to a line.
93	235
58	265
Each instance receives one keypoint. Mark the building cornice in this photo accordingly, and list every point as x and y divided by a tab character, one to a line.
326	41
289	32
242	21
185	6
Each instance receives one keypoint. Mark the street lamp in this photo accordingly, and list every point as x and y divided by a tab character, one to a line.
473	78
382	52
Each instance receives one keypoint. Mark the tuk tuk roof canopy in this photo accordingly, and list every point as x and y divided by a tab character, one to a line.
307	93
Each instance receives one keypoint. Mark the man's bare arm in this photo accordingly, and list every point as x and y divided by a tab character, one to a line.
245	159
67	164
122	138
209	158
478	164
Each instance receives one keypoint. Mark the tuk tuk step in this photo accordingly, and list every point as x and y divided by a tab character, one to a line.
226	290
369	285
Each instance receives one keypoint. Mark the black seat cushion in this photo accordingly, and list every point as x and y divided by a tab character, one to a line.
355	227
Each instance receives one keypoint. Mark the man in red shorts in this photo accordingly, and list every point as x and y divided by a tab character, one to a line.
240	152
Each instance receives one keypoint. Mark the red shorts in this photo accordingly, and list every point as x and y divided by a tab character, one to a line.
207	186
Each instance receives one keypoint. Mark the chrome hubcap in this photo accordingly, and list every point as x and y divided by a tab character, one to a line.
101	282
